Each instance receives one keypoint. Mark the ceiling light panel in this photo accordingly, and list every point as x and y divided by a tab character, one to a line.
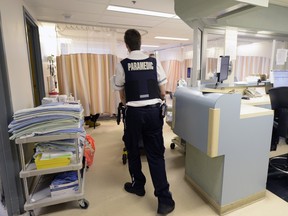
171	38
144	45
142	12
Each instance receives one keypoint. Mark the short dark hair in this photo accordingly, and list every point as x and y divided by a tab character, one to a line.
132	39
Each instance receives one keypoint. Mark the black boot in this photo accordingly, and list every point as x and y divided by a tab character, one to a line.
165	206
140	191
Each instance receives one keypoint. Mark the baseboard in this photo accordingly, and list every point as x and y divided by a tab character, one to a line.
224	209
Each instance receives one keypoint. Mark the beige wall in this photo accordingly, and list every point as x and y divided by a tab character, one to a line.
16	54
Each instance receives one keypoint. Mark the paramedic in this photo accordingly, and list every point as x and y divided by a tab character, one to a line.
141	81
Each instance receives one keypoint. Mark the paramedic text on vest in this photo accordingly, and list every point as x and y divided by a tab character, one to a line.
140	79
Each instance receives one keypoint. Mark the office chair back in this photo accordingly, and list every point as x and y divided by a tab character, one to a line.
279	98
279	103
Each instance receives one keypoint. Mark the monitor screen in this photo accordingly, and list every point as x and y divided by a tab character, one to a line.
224	68
280	78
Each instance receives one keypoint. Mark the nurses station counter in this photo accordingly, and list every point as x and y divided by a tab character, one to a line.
227	146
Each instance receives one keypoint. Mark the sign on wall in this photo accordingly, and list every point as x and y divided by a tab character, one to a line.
281	56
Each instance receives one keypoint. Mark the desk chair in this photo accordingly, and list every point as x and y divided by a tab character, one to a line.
279	103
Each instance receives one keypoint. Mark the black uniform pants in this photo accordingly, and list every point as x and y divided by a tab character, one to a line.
146	123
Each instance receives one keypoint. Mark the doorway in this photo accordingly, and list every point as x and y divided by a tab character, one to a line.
34	53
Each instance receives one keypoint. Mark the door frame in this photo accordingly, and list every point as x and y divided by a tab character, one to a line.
35	57
10	164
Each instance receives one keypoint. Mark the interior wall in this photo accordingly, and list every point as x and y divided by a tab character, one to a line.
18	90
263	49
14	39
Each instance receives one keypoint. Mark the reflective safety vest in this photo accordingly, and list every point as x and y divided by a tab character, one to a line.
141	81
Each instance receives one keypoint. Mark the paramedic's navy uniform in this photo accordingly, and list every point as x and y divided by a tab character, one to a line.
141	77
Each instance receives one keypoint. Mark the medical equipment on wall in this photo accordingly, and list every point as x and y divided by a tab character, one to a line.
52	79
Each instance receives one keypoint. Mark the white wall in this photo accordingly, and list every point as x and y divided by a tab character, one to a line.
16	53
263	49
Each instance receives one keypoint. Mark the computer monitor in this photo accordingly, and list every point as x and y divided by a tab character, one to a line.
224	69
280	78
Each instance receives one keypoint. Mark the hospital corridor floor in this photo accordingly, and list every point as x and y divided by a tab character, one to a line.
106	177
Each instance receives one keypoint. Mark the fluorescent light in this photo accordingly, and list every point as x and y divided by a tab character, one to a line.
264	32
139	11
263	3
149	45
171	38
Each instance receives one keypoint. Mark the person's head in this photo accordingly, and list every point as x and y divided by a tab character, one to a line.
152	55
132	39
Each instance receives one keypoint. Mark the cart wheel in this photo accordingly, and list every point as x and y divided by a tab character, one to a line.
124	158
172	145
84	204
31	213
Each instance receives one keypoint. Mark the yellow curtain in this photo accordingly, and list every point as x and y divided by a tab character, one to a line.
87	77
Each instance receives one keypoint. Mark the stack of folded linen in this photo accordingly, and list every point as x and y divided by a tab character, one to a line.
47	100
55	149
51	119
48	119
55	153
64	183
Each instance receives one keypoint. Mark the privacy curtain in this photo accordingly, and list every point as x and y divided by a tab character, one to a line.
211	68
173	70
251	65
87	77
175	62
86	60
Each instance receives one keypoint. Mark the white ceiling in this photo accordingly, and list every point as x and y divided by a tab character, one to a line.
94	13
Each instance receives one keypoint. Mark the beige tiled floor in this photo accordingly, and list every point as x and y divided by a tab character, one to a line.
105	179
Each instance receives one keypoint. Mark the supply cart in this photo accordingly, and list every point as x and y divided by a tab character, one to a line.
39	194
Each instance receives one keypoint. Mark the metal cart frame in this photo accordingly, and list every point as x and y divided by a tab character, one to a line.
40	195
